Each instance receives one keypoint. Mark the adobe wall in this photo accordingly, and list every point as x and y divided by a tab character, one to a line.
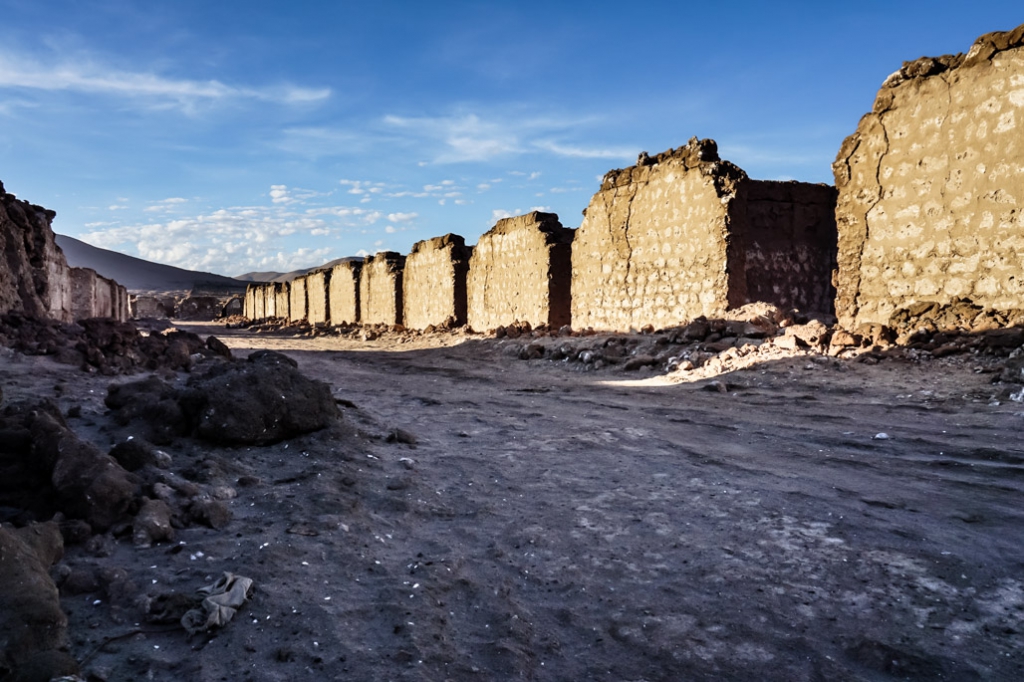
521	270
259	306
83	293
380	289
434	286
270	299
106	295
931	186
654	248
790	244
282	300
343	289
248	301
317	296
297	310
684	234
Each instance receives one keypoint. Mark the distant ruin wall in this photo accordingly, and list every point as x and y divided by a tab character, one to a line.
684	234
380	289
654	245
249	302
344	293
317	296
297	310
282	300
34	275
931	186
259	311
790	244
521	270
434	288
270	299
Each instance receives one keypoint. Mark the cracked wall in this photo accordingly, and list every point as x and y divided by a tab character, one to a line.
931	186
380	289
434	286
521	271
318	296
684	234
344	292
297	310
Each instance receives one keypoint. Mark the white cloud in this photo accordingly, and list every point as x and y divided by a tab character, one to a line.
462	202
542	209
279	194
463	138
117	207
585	152
499	213
85	74
483	186
391	229
237	239
402	217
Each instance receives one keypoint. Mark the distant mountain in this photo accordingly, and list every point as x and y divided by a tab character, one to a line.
288	276
139	275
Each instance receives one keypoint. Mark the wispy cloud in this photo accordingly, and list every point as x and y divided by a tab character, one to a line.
87	75
402	217
586	152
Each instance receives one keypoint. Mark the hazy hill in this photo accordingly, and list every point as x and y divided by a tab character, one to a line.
287	276
138	275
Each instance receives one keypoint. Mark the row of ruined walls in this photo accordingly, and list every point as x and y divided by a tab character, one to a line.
928	207
531	269
518	272
35	279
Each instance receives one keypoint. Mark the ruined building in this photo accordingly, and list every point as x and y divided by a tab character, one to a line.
521	271
684	234
931	186
434	286
34	275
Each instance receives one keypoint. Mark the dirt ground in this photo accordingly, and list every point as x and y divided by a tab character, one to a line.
479	517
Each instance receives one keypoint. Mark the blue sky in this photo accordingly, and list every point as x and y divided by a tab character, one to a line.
232	137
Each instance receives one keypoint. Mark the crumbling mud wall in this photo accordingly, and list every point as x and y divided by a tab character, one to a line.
790	244
684	234
249	302
380	289
34	275
344	293
297	302
270	299
434	286
260	304
318	296
931	187
282	298
521	271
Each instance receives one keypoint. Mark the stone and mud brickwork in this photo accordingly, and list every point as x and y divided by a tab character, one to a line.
282	298
344	292
317	296
931	187
93	295
380	289
435	283
521	271
684	234
298	310
35	279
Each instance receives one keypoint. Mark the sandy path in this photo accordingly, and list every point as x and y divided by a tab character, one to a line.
552	524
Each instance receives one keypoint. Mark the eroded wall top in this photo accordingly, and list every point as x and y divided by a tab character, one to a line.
931	186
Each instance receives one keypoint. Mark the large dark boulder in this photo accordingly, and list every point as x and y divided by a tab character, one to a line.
33	629
263	400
